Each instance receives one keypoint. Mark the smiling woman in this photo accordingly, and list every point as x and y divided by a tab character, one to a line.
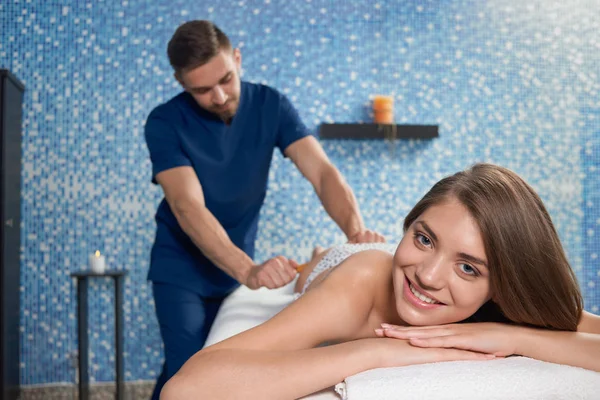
479	246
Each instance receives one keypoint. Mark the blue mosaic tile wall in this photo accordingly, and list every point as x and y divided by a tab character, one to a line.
507	81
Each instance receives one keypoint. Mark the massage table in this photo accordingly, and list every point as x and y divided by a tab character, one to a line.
509	378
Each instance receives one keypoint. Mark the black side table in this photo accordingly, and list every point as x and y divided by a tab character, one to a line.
82	329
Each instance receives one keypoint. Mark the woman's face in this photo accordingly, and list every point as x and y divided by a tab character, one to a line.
440	268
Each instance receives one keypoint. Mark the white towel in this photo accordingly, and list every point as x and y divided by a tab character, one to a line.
512	378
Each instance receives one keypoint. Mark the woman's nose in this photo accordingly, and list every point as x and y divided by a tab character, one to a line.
431	274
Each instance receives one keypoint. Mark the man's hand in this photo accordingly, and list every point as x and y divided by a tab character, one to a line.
273	273
366	236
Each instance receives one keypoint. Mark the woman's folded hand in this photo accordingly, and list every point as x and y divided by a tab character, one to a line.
492	338
396	353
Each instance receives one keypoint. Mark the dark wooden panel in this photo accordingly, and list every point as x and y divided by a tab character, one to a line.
11	98
376	131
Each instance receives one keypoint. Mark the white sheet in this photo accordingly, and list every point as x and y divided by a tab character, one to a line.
510	378
515	378
245	308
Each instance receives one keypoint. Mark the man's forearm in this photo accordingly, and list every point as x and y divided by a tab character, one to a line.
339	202
578	349
212	239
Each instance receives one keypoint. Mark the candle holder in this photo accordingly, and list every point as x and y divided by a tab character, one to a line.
82	279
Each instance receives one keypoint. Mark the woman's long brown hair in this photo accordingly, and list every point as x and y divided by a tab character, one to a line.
531	280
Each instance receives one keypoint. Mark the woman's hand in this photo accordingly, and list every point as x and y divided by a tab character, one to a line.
497	339
397	353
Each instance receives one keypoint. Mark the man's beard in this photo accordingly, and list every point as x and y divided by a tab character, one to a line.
229	112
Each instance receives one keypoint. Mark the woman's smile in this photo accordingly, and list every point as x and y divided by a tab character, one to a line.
419	298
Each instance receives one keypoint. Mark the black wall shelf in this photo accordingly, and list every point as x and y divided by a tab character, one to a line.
377	131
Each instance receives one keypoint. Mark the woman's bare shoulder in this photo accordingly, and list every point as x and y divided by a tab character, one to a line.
368	262
364	269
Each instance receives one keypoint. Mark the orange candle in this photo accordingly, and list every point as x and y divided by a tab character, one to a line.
383	109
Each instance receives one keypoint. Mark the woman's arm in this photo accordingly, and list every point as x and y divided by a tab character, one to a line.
579	349
589	323
264	374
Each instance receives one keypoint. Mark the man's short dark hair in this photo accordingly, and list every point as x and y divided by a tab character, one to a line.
194	43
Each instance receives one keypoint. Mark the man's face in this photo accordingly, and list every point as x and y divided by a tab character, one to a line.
216	85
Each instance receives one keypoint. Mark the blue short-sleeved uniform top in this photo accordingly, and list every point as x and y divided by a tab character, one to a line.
232	164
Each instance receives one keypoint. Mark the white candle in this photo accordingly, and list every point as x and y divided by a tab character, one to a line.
97	263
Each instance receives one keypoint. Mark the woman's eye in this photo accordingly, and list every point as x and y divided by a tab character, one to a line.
467	269
422	239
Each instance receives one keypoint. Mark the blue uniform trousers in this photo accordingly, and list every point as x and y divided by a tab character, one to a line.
184	318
